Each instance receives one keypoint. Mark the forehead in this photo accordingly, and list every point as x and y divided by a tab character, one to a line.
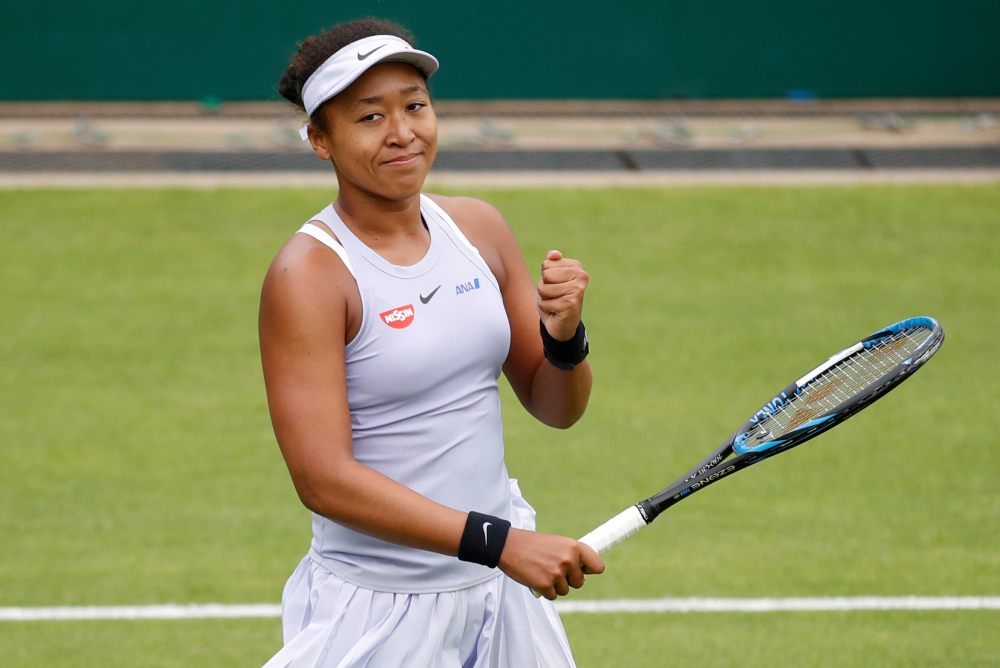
382	80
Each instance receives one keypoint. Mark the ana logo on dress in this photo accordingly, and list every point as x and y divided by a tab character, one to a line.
468	286
399	317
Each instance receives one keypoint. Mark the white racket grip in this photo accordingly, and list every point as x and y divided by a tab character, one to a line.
615	530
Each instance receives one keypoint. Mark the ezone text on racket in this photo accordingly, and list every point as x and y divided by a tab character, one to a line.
712	478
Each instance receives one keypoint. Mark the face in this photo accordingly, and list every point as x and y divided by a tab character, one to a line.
382	133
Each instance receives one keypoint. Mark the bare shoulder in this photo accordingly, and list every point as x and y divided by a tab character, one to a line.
471	214
306	280
304	262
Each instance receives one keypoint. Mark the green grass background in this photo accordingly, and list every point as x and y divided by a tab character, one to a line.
137	465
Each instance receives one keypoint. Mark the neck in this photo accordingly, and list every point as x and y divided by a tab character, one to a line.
372	215
392	228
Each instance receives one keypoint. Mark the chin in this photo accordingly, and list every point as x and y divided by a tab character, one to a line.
405	185
401	189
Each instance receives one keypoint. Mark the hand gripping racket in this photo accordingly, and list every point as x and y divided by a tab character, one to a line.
823	398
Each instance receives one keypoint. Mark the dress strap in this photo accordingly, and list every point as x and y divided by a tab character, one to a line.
324	237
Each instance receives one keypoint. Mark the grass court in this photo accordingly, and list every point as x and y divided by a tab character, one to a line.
138	464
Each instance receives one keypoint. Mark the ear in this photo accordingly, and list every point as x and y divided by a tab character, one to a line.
320	142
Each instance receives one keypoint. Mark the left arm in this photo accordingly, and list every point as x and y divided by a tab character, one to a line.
554	396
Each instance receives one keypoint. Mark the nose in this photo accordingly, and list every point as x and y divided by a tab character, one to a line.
400	131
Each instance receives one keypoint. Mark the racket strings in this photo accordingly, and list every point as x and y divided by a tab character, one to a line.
840	383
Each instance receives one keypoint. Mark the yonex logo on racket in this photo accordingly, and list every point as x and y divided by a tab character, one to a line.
773	406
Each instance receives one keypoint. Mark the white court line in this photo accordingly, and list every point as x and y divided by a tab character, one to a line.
169	611
655	605
834	604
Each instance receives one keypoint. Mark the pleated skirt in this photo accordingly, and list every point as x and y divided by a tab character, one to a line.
330	623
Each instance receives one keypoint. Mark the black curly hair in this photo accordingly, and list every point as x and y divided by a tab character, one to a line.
315	50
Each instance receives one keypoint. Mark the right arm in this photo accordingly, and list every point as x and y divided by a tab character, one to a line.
304	314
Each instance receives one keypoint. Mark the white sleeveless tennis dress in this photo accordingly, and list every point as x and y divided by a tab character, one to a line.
425	411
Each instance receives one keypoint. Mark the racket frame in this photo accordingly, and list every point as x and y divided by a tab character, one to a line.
721	462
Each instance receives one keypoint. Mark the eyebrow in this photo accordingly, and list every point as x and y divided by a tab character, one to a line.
377	99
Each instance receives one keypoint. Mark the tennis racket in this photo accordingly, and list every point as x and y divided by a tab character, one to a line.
818	401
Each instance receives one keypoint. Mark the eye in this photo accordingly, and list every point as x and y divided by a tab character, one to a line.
416	106
370	118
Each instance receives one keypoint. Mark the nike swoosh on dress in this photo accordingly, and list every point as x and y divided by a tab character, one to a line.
424	300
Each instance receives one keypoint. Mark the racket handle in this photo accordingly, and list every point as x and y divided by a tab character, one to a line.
615	530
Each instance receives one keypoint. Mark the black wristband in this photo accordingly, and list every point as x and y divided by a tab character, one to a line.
483	539
565	354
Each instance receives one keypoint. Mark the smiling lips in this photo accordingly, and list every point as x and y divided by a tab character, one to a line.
403	160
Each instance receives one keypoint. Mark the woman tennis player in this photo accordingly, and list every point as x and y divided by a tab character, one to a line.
384	326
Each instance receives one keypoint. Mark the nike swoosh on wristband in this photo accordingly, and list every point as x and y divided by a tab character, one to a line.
424	300
486	532
363	56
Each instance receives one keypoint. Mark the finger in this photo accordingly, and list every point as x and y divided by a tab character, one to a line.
576	578
560	272
553	255
549	291
562	275
590	561
565	264
562	587
571	290
549	593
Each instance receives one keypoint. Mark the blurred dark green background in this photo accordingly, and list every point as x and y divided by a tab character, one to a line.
589	49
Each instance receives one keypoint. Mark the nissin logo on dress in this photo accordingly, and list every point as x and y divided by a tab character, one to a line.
399	317
468	286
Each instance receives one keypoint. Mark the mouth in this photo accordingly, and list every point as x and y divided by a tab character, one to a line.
407	160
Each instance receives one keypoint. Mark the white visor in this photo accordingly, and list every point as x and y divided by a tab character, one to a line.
344	67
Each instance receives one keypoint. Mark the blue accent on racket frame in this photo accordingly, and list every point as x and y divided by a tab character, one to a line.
909	323
739	448
738	442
